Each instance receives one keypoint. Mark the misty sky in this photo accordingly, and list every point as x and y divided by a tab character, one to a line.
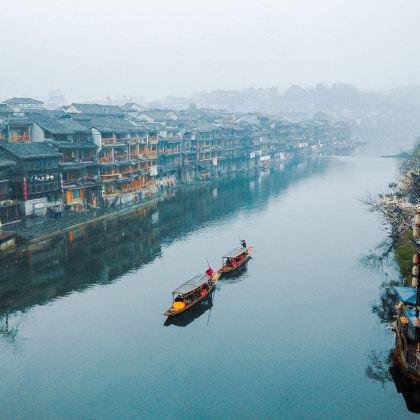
96	48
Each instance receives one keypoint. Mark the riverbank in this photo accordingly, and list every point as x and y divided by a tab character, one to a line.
31	231
398	207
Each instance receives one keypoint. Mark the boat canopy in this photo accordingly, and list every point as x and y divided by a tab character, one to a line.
235	252
191	285
406	295
410	313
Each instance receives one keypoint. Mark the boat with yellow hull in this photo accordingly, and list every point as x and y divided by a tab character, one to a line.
192	292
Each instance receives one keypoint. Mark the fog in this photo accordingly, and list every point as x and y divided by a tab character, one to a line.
94	49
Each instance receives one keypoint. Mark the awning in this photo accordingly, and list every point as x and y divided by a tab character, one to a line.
191	285
234	253
410	313
406	295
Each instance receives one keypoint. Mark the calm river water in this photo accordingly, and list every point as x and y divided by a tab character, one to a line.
294	335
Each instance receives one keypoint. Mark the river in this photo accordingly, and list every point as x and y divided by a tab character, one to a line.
294	335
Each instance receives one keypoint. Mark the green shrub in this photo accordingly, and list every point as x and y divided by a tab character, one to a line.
404	256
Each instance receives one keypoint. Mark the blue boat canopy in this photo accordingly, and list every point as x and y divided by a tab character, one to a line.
410	313
406	295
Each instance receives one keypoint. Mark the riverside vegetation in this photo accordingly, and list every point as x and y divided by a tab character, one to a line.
397	208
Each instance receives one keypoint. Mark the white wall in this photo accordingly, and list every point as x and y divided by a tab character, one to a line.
37	133
97	139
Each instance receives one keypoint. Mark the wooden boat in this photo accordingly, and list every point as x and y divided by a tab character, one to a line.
235	259
187	317
191	292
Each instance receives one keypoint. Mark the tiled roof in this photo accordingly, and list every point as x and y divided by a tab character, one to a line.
17	101
99	109
30	150
203	125
159	114
18	122
113	125
70	145
6	162
131	106
58	125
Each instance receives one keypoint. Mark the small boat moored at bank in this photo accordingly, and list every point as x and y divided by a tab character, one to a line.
192	292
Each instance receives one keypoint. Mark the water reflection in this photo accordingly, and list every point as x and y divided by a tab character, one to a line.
382	367
235	276
381	260
102	252
408	389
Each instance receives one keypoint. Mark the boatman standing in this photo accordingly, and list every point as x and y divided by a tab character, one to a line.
243	243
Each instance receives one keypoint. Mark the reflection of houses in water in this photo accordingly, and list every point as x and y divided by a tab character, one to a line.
95	254
409	390
101	252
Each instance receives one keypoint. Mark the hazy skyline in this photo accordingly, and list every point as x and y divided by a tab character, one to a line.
93	49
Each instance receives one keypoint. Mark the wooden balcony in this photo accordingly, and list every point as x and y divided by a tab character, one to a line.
137	155
171	152
107	177
80	181
105	159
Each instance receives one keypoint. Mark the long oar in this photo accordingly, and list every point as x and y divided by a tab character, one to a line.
212	302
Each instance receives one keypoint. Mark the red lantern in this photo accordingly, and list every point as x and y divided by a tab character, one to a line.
25	189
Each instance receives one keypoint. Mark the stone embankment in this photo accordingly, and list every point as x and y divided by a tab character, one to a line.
31	232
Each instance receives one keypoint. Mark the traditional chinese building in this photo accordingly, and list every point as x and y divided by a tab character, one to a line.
36	181
123	162
9	208
19	105
79	164
169	153
18	130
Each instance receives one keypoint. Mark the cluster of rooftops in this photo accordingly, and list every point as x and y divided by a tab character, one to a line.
130	118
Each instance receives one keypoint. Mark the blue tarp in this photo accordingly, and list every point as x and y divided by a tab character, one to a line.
406	295
410	313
